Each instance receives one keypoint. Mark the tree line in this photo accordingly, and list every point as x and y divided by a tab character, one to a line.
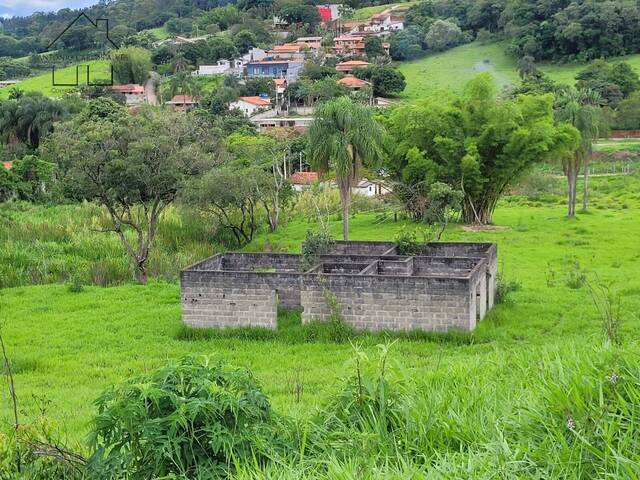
442	156
564	30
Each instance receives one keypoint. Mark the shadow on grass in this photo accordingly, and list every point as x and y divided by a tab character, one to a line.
291	330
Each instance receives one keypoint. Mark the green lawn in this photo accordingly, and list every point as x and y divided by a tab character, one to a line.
367	12
68	347
160	33
453	68
100	70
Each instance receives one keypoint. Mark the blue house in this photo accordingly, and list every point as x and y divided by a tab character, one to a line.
275	69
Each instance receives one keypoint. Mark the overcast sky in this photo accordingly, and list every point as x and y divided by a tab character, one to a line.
9	8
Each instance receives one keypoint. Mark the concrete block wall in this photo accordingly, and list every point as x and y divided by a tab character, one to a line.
354	247
391	303
488	251
236	299
375	291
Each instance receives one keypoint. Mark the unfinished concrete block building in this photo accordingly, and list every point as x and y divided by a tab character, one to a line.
445	286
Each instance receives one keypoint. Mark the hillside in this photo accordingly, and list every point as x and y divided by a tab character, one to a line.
100	71
453	68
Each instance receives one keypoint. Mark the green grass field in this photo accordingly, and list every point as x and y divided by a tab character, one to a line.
99	71
451	69
160	33
67	347
366	12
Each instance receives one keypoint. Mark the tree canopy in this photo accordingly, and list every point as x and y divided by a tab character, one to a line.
473	142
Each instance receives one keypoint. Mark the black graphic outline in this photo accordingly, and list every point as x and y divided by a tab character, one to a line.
78	67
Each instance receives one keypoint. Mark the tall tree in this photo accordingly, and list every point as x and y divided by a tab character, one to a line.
474	143
579	108
131	65
183	84
344	137
133	166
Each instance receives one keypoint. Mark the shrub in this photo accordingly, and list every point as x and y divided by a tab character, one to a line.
370	409
315	243
190	419
575	277
504	287
75	284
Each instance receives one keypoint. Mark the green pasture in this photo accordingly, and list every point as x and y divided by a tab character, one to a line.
453	68
67	347
99	71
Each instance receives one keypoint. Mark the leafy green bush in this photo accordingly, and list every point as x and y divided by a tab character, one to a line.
314	244
504	287
190	419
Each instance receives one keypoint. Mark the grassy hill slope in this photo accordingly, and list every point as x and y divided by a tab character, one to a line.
99	70
453	68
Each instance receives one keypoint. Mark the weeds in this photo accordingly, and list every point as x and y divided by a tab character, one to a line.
608	306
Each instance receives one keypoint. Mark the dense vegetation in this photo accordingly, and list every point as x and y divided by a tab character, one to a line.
96	195
563	30
447	390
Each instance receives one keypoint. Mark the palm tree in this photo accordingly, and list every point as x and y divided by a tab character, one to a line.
344	137
36	115
9	122
579	108
183	84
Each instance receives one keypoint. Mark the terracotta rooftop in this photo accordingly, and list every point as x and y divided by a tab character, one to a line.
184	100
352	82
258	101
128	88
347	38
304	178
280	82
351	64
286	48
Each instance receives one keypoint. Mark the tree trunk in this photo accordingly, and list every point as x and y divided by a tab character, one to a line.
572	178
585	188
141	273
345	197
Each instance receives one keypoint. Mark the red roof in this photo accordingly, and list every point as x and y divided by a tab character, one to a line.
280	82
351	64
352	82
258	101
286	48
8	165
348	38
131	88
324	13
304	178
184	100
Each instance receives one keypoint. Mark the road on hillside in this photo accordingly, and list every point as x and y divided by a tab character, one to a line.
150	88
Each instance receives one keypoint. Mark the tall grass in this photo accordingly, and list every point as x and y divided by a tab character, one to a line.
41	244
570	417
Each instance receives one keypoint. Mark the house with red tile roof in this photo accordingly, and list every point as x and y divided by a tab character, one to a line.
133	93
183	102
353	82
251	105
303	180
281	85
351	65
